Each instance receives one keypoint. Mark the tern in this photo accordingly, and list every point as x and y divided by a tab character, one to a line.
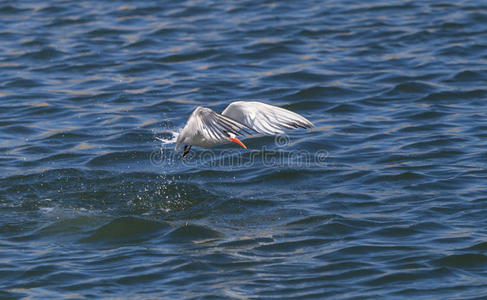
206	128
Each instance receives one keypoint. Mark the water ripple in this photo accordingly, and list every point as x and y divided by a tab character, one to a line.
95	202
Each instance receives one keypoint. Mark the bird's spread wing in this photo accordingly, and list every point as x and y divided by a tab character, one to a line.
265	118
215	126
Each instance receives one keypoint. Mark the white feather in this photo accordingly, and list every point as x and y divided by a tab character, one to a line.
206	128
265	118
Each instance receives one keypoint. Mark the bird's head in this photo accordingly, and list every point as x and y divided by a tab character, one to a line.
233	138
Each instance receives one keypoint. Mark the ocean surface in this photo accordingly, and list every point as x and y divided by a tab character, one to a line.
384	198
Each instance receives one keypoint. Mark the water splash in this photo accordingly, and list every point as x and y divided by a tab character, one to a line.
168	137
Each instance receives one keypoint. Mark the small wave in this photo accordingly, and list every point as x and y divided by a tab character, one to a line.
463	261
194	233
126	230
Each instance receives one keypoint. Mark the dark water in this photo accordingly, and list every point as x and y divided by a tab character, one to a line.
385	197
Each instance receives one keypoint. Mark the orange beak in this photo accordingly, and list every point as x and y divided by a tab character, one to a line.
236	140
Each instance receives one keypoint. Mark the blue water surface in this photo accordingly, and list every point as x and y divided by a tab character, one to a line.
383	198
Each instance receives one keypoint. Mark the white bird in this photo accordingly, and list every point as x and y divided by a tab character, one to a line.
206	128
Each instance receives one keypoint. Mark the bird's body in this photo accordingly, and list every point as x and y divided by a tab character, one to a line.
206	128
